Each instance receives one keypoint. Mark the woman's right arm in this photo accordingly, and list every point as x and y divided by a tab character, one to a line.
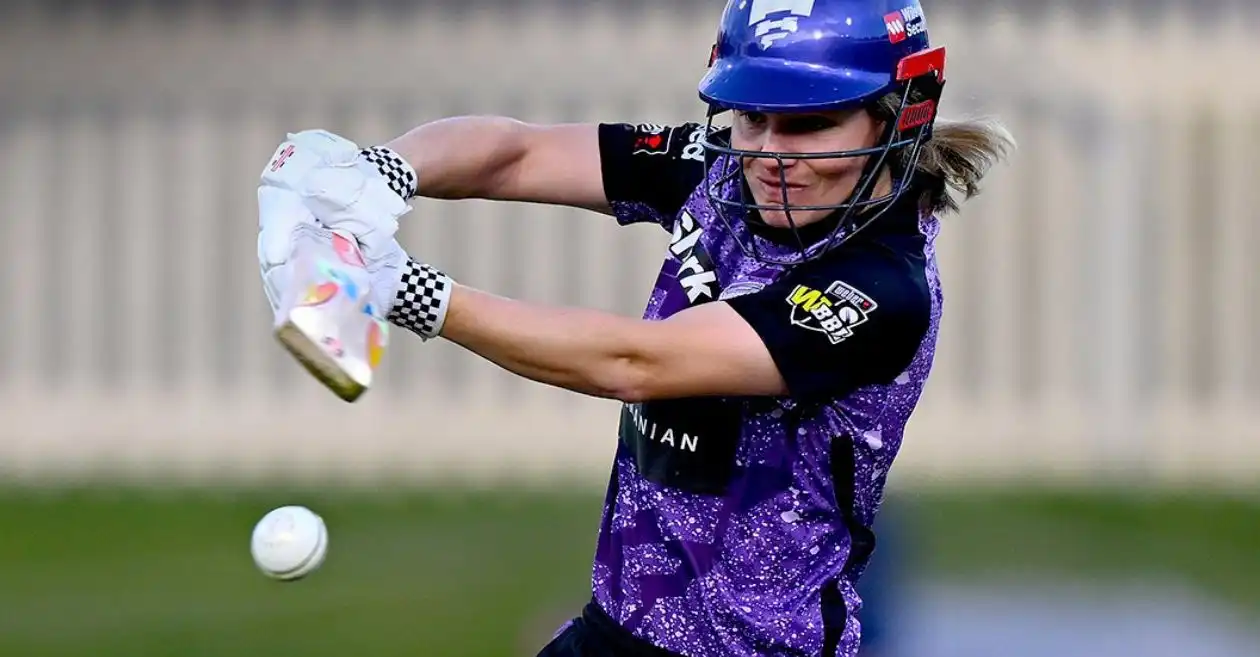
499	158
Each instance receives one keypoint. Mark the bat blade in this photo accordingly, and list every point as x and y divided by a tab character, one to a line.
326	320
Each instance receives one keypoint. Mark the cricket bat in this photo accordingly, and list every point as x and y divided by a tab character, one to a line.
326	319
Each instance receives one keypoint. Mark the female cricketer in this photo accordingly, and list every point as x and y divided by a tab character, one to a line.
787	341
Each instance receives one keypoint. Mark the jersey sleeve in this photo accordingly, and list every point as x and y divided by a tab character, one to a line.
833	328
649	170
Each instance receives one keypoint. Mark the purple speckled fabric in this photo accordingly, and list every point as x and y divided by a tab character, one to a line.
740	573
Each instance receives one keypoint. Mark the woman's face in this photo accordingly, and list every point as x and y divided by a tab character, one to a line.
808	181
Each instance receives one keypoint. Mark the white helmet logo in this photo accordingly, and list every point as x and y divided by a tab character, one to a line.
768	30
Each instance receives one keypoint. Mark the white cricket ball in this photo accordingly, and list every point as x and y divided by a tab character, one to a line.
289	543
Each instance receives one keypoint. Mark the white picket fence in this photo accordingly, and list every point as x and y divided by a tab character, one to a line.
1102	298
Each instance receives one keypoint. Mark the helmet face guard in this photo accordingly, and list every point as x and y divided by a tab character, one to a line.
798	75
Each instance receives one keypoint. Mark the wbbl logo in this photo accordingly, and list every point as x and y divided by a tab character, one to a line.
833	312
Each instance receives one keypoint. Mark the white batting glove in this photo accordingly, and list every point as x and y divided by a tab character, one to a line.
282	217
360	192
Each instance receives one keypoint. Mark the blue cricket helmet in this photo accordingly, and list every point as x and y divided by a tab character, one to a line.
820	55
803	55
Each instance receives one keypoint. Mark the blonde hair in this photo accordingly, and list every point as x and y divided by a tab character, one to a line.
956	158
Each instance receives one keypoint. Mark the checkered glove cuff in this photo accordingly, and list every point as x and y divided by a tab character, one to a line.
422	299
393	168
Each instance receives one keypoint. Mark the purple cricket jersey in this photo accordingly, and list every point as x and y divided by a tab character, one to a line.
738	526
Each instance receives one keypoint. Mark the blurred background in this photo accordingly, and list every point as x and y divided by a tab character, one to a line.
1081	477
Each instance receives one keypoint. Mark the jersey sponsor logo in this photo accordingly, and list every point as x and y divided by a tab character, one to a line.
833	312
651	139
687	444
649	430
695	269
694	150
768	22
654	139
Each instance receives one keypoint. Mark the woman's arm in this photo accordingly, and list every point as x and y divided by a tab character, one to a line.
705	350
499	158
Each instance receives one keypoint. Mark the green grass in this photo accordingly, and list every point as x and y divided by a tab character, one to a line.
1208	543
126	573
